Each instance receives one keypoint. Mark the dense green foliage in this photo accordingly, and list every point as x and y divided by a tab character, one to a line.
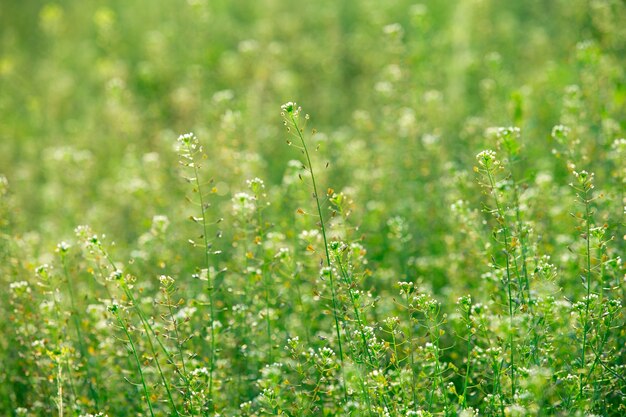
443	235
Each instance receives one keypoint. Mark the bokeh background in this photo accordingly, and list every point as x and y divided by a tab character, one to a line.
93	95
402	94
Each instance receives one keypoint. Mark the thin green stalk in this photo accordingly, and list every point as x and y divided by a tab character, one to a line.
179	347
355	308
601	253
587	283
394	343
296	278
600	349
439	373
79	336
177	335
242	335
57	333
469	363
149	330
348	281
467	371
305	312
209	278
522	242
266	284
366	395
498	390
411	356
495	367
316	391
60	388
328	263
505	233
137	361
71	380
509	139
267	315
138	310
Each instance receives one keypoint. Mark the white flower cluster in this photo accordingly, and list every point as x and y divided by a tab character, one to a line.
487	159
290	108
244	204
19	287
166	280
560	133
188	139
200	372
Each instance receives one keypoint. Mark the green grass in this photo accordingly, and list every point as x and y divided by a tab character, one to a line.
438	230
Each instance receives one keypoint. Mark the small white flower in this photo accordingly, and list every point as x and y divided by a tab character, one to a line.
487	159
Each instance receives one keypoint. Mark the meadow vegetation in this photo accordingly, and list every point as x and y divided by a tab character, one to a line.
384	209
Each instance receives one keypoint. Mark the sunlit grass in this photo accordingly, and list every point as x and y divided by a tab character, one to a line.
438	231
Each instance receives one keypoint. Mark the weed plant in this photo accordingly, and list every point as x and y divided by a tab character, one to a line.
447	241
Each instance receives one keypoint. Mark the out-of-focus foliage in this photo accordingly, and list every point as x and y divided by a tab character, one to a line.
510	265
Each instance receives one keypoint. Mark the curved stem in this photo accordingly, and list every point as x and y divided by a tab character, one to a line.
588	285
323	227
79	336
209	280
505	232
137	361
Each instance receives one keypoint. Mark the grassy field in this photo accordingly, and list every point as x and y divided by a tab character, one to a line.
384	209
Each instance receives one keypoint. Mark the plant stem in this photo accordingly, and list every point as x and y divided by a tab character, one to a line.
149	330
267	313
467	368
439	373
505	233
411	356
360	324
522	242
60	387
208	272
179	347
328	263
137	361
79	337
587	284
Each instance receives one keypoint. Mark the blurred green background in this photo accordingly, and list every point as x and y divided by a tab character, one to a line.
93	95
404	94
